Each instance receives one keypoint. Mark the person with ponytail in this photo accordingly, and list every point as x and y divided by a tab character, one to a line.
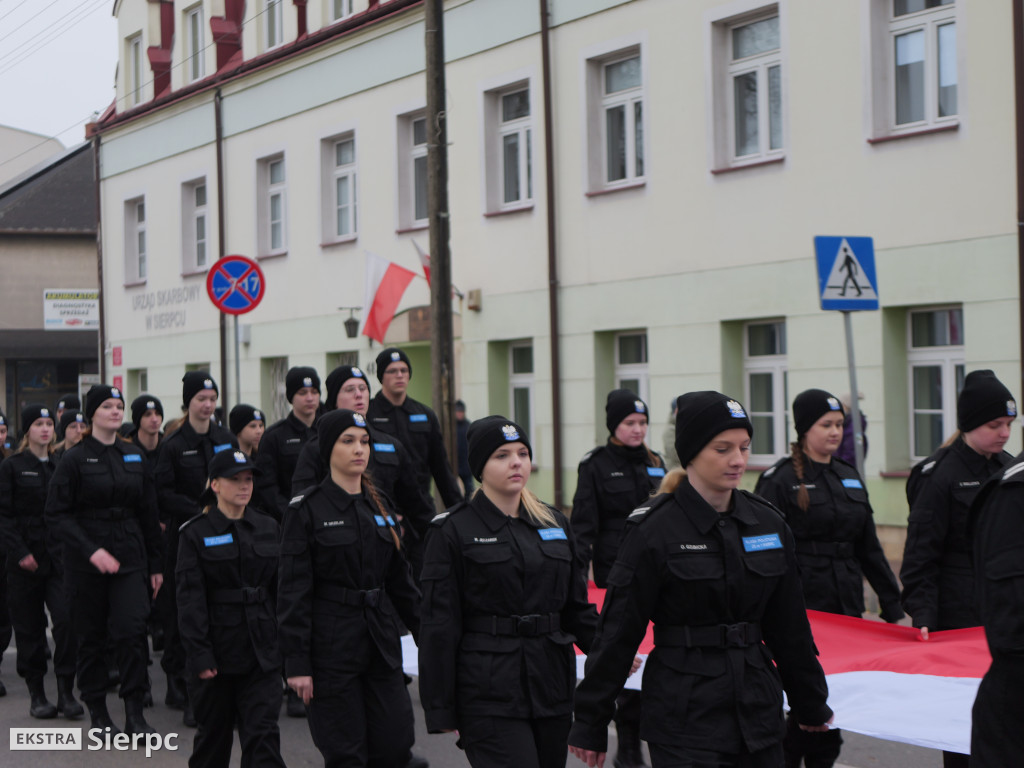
345	589
226	589
504	599
827	508
614	479
714	568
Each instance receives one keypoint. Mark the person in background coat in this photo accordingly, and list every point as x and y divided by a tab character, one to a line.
462	447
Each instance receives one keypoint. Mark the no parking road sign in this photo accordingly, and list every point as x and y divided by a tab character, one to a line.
235	284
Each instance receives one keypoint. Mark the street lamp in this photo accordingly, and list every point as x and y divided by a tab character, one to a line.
351	324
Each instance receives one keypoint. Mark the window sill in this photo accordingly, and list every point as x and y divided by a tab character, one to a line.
744	166
507	211
912	134
413	228
135	283
195	272
900	474
275	255
339	241
611	190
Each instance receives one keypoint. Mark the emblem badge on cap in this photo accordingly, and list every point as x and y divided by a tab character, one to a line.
44	413
257	415
510	432
395	356
239	457
356	371
358	420
639	405
1011	408
79	418
735	409
207	383
833	403
115	392
307	382
150	405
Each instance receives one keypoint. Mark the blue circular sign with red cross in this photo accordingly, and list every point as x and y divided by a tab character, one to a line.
235	284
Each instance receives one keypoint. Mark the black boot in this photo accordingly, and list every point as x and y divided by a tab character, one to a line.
134	722
100	717
66	703
39	707
628	754
3	688
176	697
189	715
295	707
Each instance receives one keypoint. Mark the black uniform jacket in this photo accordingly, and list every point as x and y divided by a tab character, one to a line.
151	456
391	468
343	585
103	496
613	481
716	586
182	469
24	480
836	542
937	576
276	460
482	571
227	590
417	428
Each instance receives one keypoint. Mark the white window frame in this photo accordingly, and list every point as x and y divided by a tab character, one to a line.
951	362
409	153
134	70
135	247
332	174
195	227
522	381
267	191
522	128
273	23
777	366
639	372
759	64
339	9
195	47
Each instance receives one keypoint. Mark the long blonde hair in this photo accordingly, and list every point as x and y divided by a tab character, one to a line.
671	480
796	450
540	514
23	445
371	489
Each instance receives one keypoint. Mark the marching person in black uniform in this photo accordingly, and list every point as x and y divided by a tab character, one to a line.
70	429
34	570
504	599
227	587
65	404
147	418
715	569
248	426
614	479
280	446
180	480
5	617
937	574
344	589
826	506
101	506
413	423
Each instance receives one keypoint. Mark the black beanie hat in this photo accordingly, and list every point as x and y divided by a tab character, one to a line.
336	380
622	403
34	411
3	419
389	356
70	416
487	435
68	401
193	382
225	464
241	415
299	377
330	427
96	395
144	403
810	405
984	398
701	416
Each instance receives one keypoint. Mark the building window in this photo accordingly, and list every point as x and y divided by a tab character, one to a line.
339	182
755	93
412	171
340	9
631	363
617	119
194	46
273	388
936	359
135	70
270	181
765	388
521	387
273	23
194	226
514	137
135	240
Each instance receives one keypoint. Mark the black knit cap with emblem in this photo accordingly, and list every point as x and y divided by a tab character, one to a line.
487	435
621	404
984	398
701	416
144	403
194	382
336	380
96	395
242	415
810	405
389	356
300	377
330	427
34	411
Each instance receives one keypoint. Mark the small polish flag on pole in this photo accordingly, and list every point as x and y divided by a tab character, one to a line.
385	284
424	260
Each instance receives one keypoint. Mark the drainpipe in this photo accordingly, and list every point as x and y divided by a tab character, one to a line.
99	258
1018	68
219	128
549	173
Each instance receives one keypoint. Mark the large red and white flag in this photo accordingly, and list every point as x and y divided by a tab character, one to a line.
385	284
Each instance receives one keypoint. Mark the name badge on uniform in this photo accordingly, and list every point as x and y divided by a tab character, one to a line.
549	534
851	482
656	471
384	447
417	417
132	458
760	543
216	541
380	520
222	447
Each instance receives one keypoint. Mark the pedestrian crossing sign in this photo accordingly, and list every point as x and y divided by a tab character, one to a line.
846	272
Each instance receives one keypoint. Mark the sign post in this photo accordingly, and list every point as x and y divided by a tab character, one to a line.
235	285
847	282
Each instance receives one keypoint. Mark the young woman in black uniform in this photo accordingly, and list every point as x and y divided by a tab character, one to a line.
826	506
72	426
614	479
247	425
101	506
504	599
34	570
344	588
5	618
227	586
715	569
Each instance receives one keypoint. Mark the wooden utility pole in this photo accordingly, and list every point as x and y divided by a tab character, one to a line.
442	353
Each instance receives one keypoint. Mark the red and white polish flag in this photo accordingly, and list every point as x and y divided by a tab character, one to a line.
424	260
385	284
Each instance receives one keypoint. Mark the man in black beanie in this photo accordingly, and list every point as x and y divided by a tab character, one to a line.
147	419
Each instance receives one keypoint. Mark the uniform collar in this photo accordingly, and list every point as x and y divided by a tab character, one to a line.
975	462
493	517
704	516
336	494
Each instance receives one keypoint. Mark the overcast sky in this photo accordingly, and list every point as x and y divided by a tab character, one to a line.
57	64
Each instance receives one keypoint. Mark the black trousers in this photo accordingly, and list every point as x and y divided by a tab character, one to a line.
997	739
29	595
5	616
505	742
116	606
173	660
361	719
670	756
252	701
818	749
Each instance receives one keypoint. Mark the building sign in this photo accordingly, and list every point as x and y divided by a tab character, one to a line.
71	310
